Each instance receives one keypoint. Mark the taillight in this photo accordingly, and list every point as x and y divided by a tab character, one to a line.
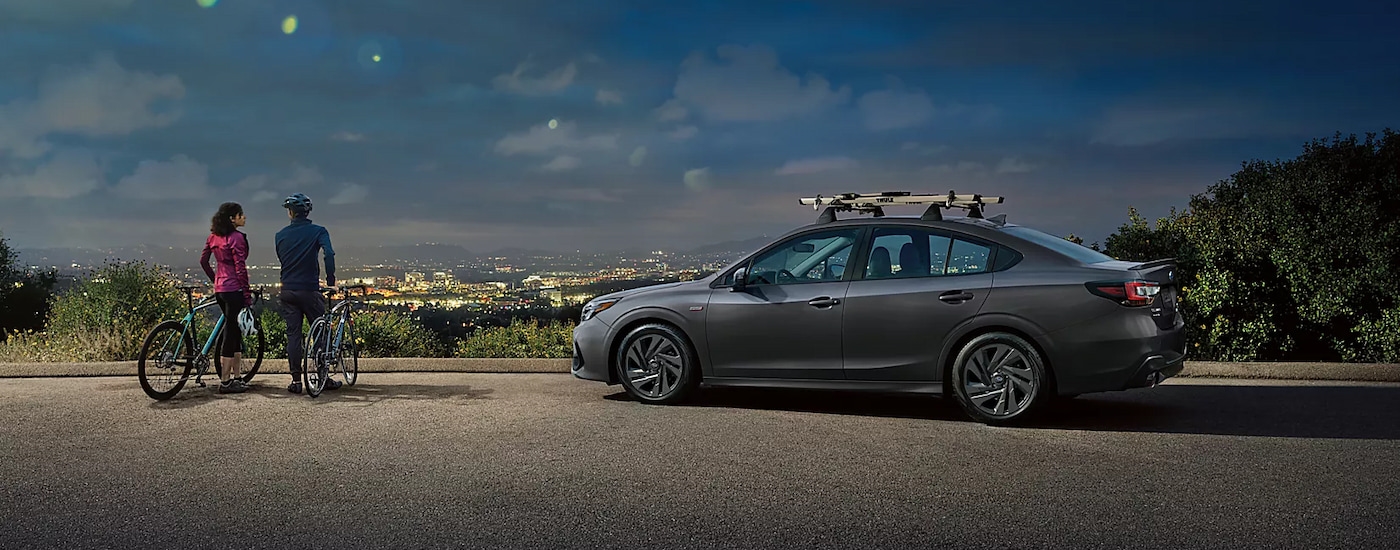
1134	293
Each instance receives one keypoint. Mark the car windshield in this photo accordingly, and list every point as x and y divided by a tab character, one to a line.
1078	252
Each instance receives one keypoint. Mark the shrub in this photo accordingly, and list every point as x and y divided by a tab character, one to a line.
107	315
390	334
520	339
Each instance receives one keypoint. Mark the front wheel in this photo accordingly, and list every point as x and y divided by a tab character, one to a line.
167	356
999	378
314	367
349	353
656	364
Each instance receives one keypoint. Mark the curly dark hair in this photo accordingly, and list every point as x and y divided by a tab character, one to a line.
222	223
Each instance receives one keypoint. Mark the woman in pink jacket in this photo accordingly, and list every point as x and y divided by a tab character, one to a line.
229	247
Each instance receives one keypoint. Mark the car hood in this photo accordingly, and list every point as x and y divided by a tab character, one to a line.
641	290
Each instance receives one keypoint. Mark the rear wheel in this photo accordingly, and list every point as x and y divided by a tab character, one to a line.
167	356
999	378
656	364
253	348
314	367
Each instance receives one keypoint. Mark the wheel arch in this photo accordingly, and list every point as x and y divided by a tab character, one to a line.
646	316
978	326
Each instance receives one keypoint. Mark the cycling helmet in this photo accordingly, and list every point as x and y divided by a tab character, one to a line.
298	203
246	323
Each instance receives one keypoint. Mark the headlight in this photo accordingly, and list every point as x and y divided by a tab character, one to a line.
592	309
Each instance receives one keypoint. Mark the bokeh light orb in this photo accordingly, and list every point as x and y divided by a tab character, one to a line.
289	25
207	3
553	123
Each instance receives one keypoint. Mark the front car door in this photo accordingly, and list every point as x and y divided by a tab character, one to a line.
915	285
786	322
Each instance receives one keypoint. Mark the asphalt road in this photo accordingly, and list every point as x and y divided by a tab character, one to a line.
547	461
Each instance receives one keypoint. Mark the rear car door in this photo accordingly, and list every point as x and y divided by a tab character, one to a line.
915	286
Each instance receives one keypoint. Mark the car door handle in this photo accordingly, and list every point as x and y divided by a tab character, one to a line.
955	297
824	301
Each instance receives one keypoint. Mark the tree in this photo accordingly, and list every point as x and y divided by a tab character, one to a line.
24	295
1288	259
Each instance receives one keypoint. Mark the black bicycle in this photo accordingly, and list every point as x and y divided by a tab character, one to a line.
331	342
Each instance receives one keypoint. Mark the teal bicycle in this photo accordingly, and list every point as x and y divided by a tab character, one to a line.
169	355
331	343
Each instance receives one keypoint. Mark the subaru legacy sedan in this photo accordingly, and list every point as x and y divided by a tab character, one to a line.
1000	316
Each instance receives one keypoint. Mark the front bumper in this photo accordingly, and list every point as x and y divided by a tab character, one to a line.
590	360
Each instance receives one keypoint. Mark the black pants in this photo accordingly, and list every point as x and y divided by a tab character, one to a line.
298	306
231	337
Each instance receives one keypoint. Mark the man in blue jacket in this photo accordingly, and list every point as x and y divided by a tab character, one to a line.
297	247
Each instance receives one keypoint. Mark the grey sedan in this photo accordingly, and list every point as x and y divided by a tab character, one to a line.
1001	317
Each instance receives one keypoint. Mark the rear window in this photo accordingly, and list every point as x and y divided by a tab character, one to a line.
1078	252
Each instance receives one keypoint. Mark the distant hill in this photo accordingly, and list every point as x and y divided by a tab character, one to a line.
346	254
731	247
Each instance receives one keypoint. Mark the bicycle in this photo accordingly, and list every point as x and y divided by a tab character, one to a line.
331	341
177	355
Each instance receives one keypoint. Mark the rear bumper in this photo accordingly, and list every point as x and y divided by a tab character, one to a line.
1154	370
1116	356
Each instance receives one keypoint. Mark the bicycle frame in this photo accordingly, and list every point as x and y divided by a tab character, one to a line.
188	322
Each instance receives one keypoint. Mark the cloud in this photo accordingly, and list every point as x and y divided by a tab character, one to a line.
1013	165
608	97
347	136
59	10
922	150
684	132
895	107
541	139
1153	120
638	155
180	178
267	188
671	110
100	99
68	173
962	167
551	83
562	163
815	165
304	176
697	179
752	86
352	193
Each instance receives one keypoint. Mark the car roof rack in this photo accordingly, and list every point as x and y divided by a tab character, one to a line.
874	203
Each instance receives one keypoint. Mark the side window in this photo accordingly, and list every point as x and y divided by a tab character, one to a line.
900	252
884	253
810	258
967	257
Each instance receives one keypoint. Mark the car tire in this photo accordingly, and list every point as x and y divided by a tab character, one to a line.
999	378
657	365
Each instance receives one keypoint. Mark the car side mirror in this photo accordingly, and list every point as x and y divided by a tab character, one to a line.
741	279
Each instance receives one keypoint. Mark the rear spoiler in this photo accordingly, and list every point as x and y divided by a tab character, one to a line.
1153	263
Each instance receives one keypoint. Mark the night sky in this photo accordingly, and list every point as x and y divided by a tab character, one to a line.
588	124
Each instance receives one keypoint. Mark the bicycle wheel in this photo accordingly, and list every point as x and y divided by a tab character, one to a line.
349	354
314	367
253	348
166	360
